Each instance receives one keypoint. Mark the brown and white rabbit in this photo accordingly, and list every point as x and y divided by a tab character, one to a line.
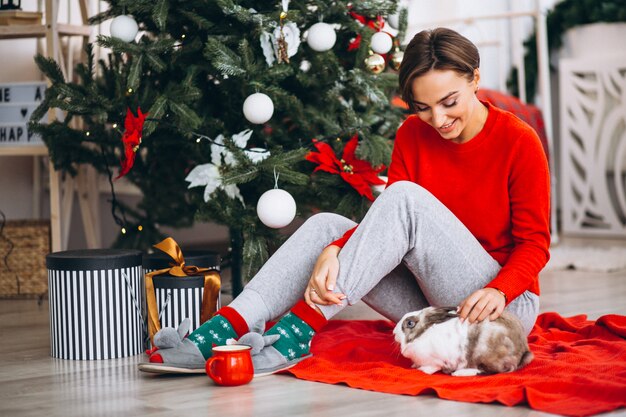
435	339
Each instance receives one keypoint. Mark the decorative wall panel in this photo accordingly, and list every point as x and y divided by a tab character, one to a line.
593	146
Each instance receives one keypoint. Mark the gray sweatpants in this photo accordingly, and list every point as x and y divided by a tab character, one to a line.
409	252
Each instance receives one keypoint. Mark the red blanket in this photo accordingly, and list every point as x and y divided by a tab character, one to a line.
579	367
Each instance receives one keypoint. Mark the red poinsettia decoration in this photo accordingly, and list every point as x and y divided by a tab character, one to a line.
133	127
358	173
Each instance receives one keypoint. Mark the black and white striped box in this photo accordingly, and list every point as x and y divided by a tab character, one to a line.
180	297
96	299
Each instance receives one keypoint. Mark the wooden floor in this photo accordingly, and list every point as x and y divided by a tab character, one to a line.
34	384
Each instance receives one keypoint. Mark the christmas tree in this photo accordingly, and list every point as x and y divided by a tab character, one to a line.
215	103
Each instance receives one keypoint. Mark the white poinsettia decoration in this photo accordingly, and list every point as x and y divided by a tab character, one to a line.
208	175
270	46
284	42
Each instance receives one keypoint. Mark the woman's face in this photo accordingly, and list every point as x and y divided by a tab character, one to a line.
446	100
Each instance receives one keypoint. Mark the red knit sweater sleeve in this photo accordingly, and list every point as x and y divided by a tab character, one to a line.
529	193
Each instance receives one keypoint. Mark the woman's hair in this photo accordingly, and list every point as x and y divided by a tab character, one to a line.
438	49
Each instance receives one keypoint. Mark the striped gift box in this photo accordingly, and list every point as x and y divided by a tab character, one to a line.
96	299
180	297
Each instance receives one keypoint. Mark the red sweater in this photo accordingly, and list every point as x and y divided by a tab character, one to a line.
497	184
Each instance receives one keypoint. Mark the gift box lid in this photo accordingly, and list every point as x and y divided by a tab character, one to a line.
199	258
93	259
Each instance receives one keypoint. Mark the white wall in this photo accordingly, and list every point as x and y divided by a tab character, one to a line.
499	40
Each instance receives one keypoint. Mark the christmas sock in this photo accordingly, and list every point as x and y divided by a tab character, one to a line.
296	329
225	324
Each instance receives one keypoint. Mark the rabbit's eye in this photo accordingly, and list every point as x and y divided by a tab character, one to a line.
410	323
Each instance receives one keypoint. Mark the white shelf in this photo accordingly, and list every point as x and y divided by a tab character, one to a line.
25	150
40	31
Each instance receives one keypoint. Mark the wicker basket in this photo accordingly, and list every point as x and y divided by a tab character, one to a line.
24	245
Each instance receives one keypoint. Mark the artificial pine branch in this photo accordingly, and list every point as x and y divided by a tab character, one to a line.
229	8
186	116
156	112
118	45
160	12
135	72
255	252
223	58
50	69
200	21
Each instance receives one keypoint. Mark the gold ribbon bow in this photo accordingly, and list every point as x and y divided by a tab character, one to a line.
178	268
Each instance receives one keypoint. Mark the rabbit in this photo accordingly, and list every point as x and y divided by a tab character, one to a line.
436	339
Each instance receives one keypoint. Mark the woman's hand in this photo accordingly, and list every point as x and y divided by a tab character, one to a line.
487	302
323	279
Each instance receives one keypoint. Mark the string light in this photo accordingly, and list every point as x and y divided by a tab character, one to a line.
130	91
200	136
183	36
114	125
123	230
87	133
140	228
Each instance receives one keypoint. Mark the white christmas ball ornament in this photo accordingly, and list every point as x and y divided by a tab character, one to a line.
124	28
258	108
381	43
321	37
276	208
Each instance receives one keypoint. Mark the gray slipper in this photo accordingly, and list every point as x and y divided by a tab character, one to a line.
176	353
266	359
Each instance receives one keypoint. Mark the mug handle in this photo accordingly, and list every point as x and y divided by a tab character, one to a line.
209	369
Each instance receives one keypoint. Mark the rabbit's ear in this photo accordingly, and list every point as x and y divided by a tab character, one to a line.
184	328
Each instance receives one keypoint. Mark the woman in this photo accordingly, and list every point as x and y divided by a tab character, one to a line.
463	221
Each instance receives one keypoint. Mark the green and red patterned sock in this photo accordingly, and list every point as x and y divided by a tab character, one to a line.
225	324
296	329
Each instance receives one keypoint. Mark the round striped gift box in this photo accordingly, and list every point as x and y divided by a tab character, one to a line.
96	298
176	297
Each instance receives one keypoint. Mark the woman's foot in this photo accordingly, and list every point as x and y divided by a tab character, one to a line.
295	330
188	355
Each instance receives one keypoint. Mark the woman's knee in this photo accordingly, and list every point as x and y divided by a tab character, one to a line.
406	191
332	221
404	188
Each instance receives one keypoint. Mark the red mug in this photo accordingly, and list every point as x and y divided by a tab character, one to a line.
230	365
